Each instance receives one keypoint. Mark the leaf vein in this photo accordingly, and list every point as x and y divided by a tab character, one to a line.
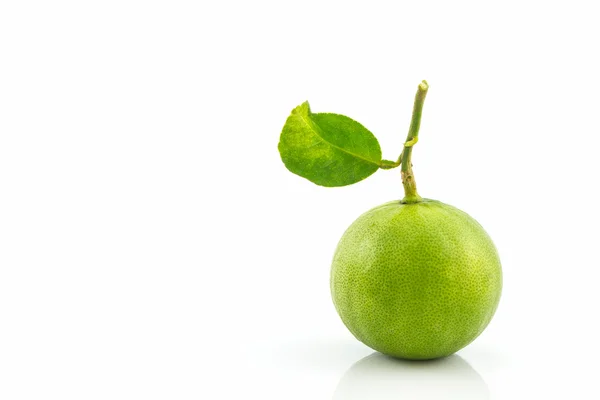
307	123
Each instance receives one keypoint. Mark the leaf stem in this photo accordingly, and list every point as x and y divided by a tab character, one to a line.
408	179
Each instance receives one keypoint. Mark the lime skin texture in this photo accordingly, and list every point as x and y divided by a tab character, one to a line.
416	281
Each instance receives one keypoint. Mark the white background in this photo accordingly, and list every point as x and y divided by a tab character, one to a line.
153	245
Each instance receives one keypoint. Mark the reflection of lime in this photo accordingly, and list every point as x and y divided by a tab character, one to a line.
416	281
384	378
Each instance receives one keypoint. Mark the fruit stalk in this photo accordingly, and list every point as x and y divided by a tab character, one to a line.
408	179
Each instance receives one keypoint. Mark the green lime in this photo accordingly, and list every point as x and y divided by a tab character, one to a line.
413	278
416	281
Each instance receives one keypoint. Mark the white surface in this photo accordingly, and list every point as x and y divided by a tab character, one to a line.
152	244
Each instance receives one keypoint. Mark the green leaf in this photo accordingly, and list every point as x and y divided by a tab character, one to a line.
328	149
